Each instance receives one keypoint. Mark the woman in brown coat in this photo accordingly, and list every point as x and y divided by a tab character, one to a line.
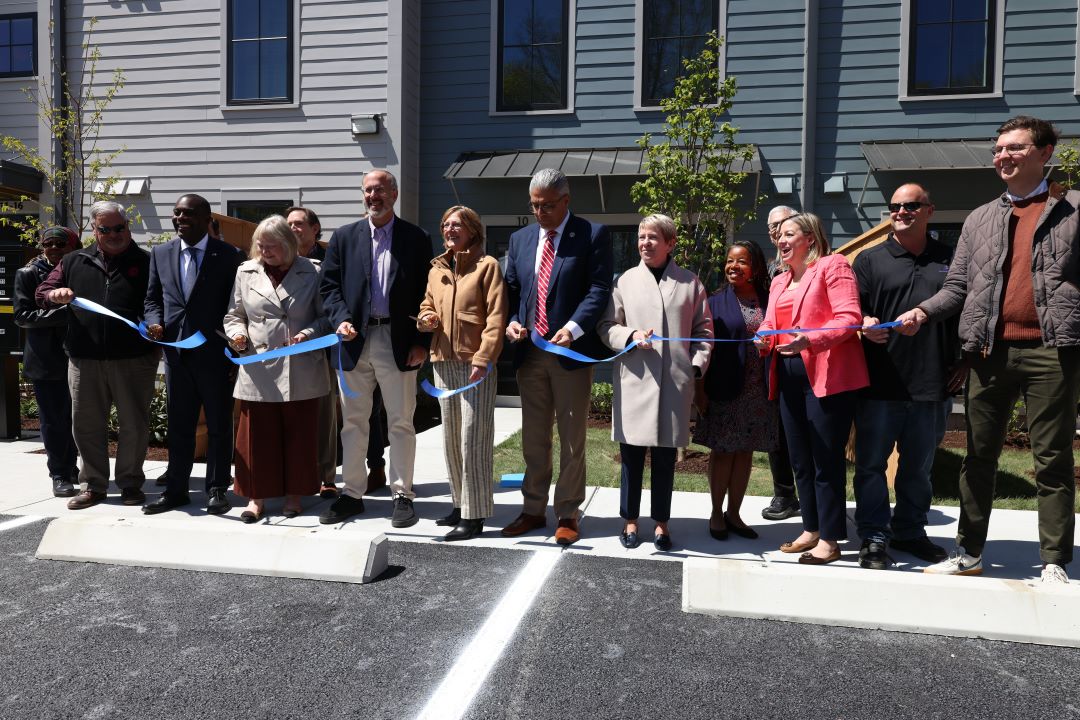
465	307
276	302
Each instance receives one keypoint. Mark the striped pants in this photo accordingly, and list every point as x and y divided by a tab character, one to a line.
468	421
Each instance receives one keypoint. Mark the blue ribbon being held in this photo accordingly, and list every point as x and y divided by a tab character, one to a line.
439	394
320	343
572	354
192	341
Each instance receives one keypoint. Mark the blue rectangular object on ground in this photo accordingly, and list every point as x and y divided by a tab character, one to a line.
512	480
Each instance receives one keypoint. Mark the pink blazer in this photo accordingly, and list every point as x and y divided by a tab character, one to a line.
827	296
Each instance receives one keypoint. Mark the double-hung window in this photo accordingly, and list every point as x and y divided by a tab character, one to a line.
260	51
18	41
671	31
532	55
952	47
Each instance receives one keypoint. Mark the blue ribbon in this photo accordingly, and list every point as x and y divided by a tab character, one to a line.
439	394
567	352
320	343
187	343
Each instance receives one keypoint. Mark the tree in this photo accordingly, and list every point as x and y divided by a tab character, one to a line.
77	169
694	174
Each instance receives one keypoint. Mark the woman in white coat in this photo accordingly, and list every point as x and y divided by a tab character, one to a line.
275	303
654	382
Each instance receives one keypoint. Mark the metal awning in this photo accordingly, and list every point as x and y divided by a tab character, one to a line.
493	164
887	155
18	180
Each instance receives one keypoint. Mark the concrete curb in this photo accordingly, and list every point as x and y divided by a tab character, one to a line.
991	608
228	547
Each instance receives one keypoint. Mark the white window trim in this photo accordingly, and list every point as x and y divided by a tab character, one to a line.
493	66
905	49
639	48
223	99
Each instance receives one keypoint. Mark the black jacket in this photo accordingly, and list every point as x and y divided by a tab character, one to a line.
43	352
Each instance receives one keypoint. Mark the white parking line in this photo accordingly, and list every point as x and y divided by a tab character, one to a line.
457	690
19	522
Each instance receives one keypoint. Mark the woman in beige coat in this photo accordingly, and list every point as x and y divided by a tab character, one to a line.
465	307
654	382
275	303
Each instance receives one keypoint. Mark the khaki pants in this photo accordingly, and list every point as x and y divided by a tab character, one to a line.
97	385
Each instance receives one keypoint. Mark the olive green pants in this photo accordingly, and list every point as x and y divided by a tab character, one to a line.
1049	381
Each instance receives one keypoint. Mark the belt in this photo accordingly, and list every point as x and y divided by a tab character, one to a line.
376	321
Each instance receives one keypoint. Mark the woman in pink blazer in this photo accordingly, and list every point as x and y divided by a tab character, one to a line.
815	375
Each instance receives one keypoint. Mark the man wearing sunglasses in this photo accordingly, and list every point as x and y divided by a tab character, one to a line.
1014	282
44	362
911	381
109	364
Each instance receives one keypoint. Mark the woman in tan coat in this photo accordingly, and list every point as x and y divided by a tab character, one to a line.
275	303
465	307
654	383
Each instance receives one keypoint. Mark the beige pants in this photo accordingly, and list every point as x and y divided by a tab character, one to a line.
376	366
468	421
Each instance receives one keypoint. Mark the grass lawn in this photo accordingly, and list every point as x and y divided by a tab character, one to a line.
1015	485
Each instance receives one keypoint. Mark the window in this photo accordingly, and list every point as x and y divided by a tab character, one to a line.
952	47
532	57
18	34
260	51
671	30
257	210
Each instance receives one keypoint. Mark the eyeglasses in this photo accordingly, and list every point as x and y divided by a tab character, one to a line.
58	244
452	226
909	206
1010	149
106	229
546	207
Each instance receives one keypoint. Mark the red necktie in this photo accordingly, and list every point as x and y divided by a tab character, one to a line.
542	278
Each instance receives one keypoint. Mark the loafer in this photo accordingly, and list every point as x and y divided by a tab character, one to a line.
250	518
165	503
163	479
781	508
404	515
872	555
629	540
376	480
662	542
63	487
328	491
450	520
466	530
794	547
921	548
85	499
132	496
342	509
524	523
718	534
567	533
808	559
744	532
218	504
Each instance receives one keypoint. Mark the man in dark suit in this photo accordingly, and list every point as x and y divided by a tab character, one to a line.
559	274
191	279
373	279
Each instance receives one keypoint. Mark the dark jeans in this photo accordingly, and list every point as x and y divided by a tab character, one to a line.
662	481
54	414
817	431
191	386
783	479
916	428
1049	380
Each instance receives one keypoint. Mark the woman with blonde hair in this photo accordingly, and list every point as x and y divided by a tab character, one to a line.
465	306
276	302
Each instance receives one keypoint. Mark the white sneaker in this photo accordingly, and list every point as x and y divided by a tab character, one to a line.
1054	575
959	563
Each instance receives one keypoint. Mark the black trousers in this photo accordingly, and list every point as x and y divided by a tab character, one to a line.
376	443
193	385
54	413
662	481
783	479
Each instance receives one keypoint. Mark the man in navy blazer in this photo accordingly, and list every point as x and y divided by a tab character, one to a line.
190	286
373	279
566	260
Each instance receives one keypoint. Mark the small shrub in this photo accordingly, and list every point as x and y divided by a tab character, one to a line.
601	400
28	407
159	416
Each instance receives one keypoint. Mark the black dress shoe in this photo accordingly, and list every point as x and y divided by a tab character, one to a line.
744	532
62	487
165	503
872	555
342	509
662	542
921	548
629	540
218	503
450	520
718	534
466	530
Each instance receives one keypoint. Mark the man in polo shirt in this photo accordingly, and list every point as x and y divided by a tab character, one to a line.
911	378
1013	281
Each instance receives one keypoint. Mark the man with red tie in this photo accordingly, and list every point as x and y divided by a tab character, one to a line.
559	275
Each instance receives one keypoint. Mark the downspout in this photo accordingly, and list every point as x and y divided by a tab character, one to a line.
59	72
808	134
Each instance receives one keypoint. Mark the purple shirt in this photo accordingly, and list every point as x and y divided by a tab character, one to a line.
380	268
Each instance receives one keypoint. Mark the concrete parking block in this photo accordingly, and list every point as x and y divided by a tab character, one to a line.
979	607
307	553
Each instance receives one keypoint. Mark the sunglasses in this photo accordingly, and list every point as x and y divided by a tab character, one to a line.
106	229
909	206
58	244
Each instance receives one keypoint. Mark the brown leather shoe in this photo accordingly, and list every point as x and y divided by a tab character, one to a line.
567	532
798	547
376	480
85	499
524	523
